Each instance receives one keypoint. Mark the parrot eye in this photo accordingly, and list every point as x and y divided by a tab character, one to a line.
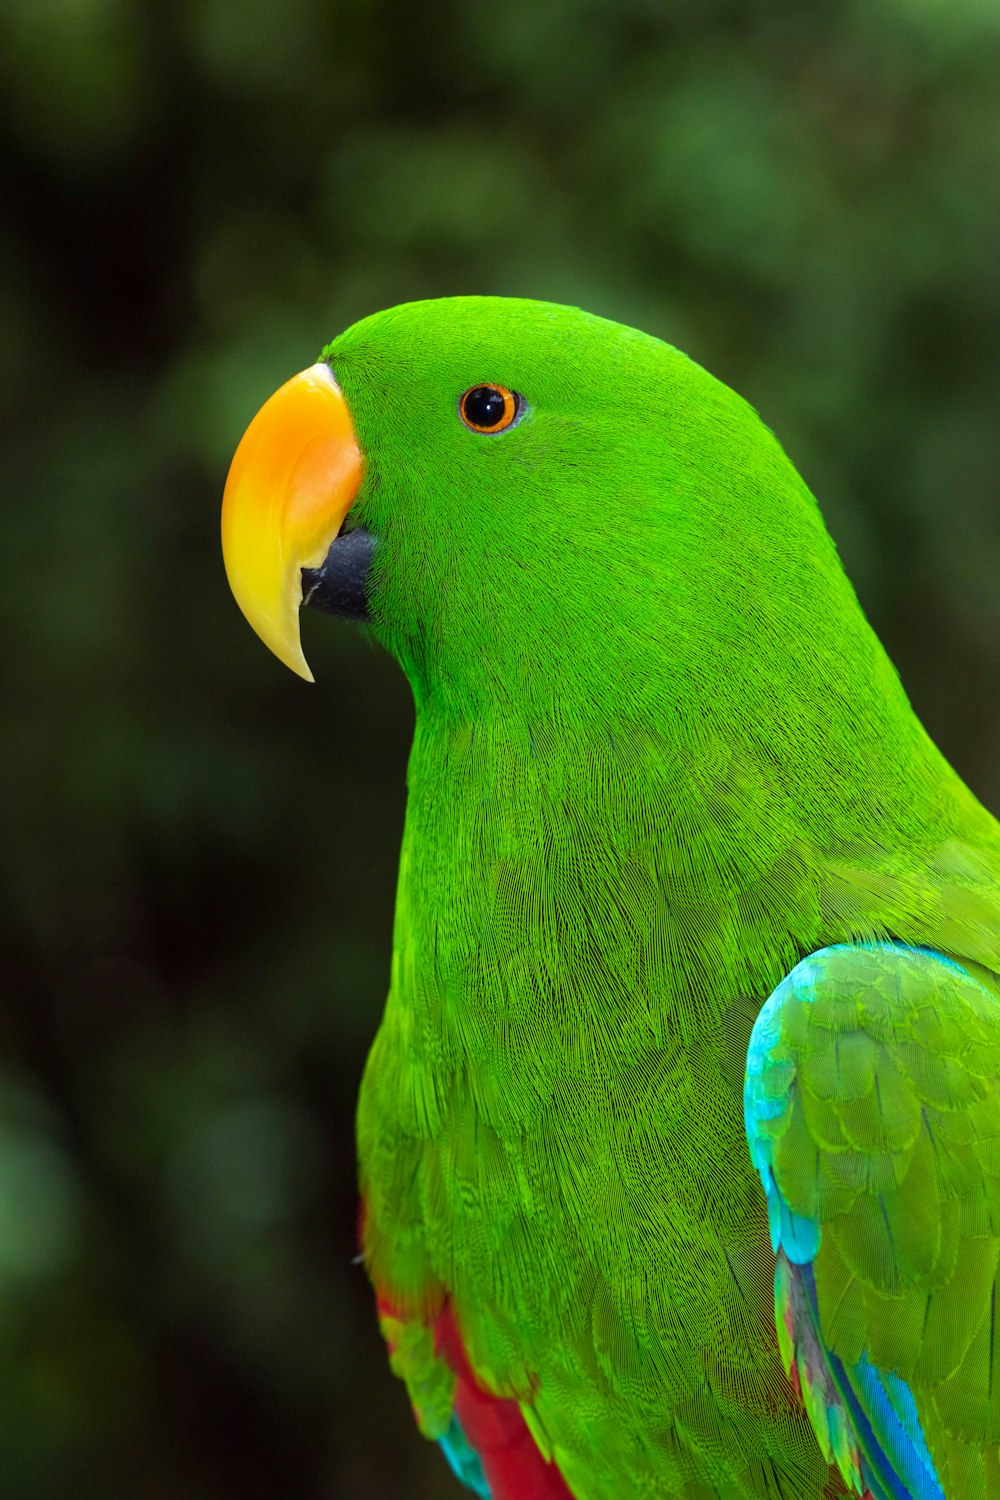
489	408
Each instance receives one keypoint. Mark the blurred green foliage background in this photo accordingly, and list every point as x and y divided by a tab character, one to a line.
198	851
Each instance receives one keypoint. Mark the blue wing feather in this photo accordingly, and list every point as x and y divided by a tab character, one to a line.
866	1419
464	1459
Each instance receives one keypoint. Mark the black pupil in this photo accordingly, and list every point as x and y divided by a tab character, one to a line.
484	406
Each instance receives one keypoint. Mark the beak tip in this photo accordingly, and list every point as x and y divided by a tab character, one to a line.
289	653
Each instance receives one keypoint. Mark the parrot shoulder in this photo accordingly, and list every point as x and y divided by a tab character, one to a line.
872	1113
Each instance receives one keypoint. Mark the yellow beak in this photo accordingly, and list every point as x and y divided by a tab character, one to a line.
291	483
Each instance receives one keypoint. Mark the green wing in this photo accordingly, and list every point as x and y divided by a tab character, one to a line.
872	1107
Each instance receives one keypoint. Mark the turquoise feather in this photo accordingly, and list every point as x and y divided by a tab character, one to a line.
841	1092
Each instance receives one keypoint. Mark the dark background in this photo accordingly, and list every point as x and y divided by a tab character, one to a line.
198	850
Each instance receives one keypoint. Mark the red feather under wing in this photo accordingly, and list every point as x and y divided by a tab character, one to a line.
494	1427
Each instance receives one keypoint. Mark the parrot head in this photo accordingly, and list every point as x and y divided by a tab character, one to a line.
533	507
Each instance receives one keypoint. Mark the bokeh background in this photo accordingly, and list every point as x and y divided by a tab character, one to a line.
199	851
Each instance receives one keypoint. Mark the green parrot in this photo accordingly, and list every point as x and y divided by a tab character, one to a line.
679	1140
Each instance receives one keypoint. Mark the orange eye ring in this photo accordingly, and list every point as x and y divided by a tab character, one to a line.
489	408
